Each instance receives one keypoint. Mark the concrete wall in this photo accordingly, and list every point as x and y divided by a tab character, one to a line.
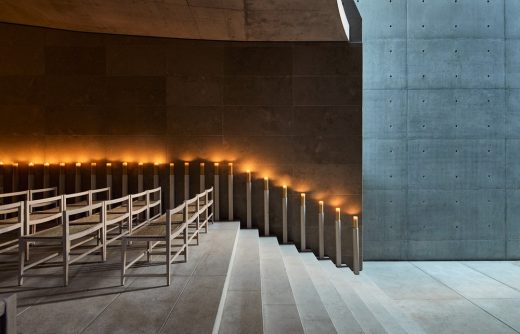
441	129
290	111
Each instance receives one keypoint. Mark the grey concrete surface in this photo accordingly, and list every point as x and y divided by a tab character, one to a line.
339	312
440	121
243	306
280	314
94	302
313	313
451	297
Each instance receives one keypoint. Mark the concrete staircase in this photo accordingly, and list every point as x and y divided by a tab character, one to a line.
275	289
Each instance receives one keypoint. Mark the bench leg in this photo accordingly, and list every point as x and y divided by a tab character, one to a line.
185	244
168	260
66	251
123	260
21	260
104	245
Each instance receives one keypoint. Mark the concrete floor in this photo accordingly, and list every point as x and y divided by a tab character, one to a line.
453	297
94	301
272	288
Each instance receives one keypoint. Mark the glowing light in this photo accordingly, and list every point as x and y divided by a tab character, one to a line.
93	164
15	164
125	163
156	164
355	222
31	164
62	164
140	164
338	214
109	164
172	164
78	164
46	164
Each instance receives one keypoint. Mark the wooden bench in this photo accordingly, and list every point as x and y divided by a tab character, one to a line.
161	231
75	230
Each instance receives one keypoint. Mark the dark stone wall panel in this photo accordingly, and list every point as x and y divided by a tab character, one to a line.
197	90
258	60
328	59
288	111
257	90
74	60
135	60
257	120
327	90
22	59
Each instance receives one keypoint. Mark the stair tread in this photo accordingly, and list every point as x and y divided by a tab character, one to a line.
340	315
407	323
312	312
363	314
243	307
280	314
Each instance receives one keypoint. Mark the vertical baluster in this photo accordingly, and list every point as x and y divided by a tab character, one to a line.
46	175
217	193
30	176
124	179
266	206
355	245
202	177
61	178
171	187
186	181
338	237
230	192
140	177
109	176
303	223
77	177
93	175
1	179
248	199
284	215
321	230
15	177
156	175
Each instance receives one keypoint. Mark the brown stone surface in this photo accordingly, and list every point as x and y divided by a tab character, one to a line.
290	111
236	20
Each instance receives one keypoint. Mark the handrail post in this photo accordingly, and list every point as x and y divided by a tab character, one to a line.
284	215
303	219
321	230
248	199
230	192
355	245
266	206
338	238
216	195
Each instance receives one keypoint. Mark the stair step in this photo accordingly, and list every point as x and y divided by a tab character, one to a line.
363	314
340	315
243	307
313	314
374	303
280	314
407	323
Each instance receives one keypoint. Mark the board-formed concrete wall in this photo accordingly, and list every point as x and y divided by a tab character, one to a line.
441	114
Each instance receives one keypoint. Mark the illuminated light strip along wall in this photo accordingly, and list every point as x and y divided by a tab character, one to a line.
78	168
